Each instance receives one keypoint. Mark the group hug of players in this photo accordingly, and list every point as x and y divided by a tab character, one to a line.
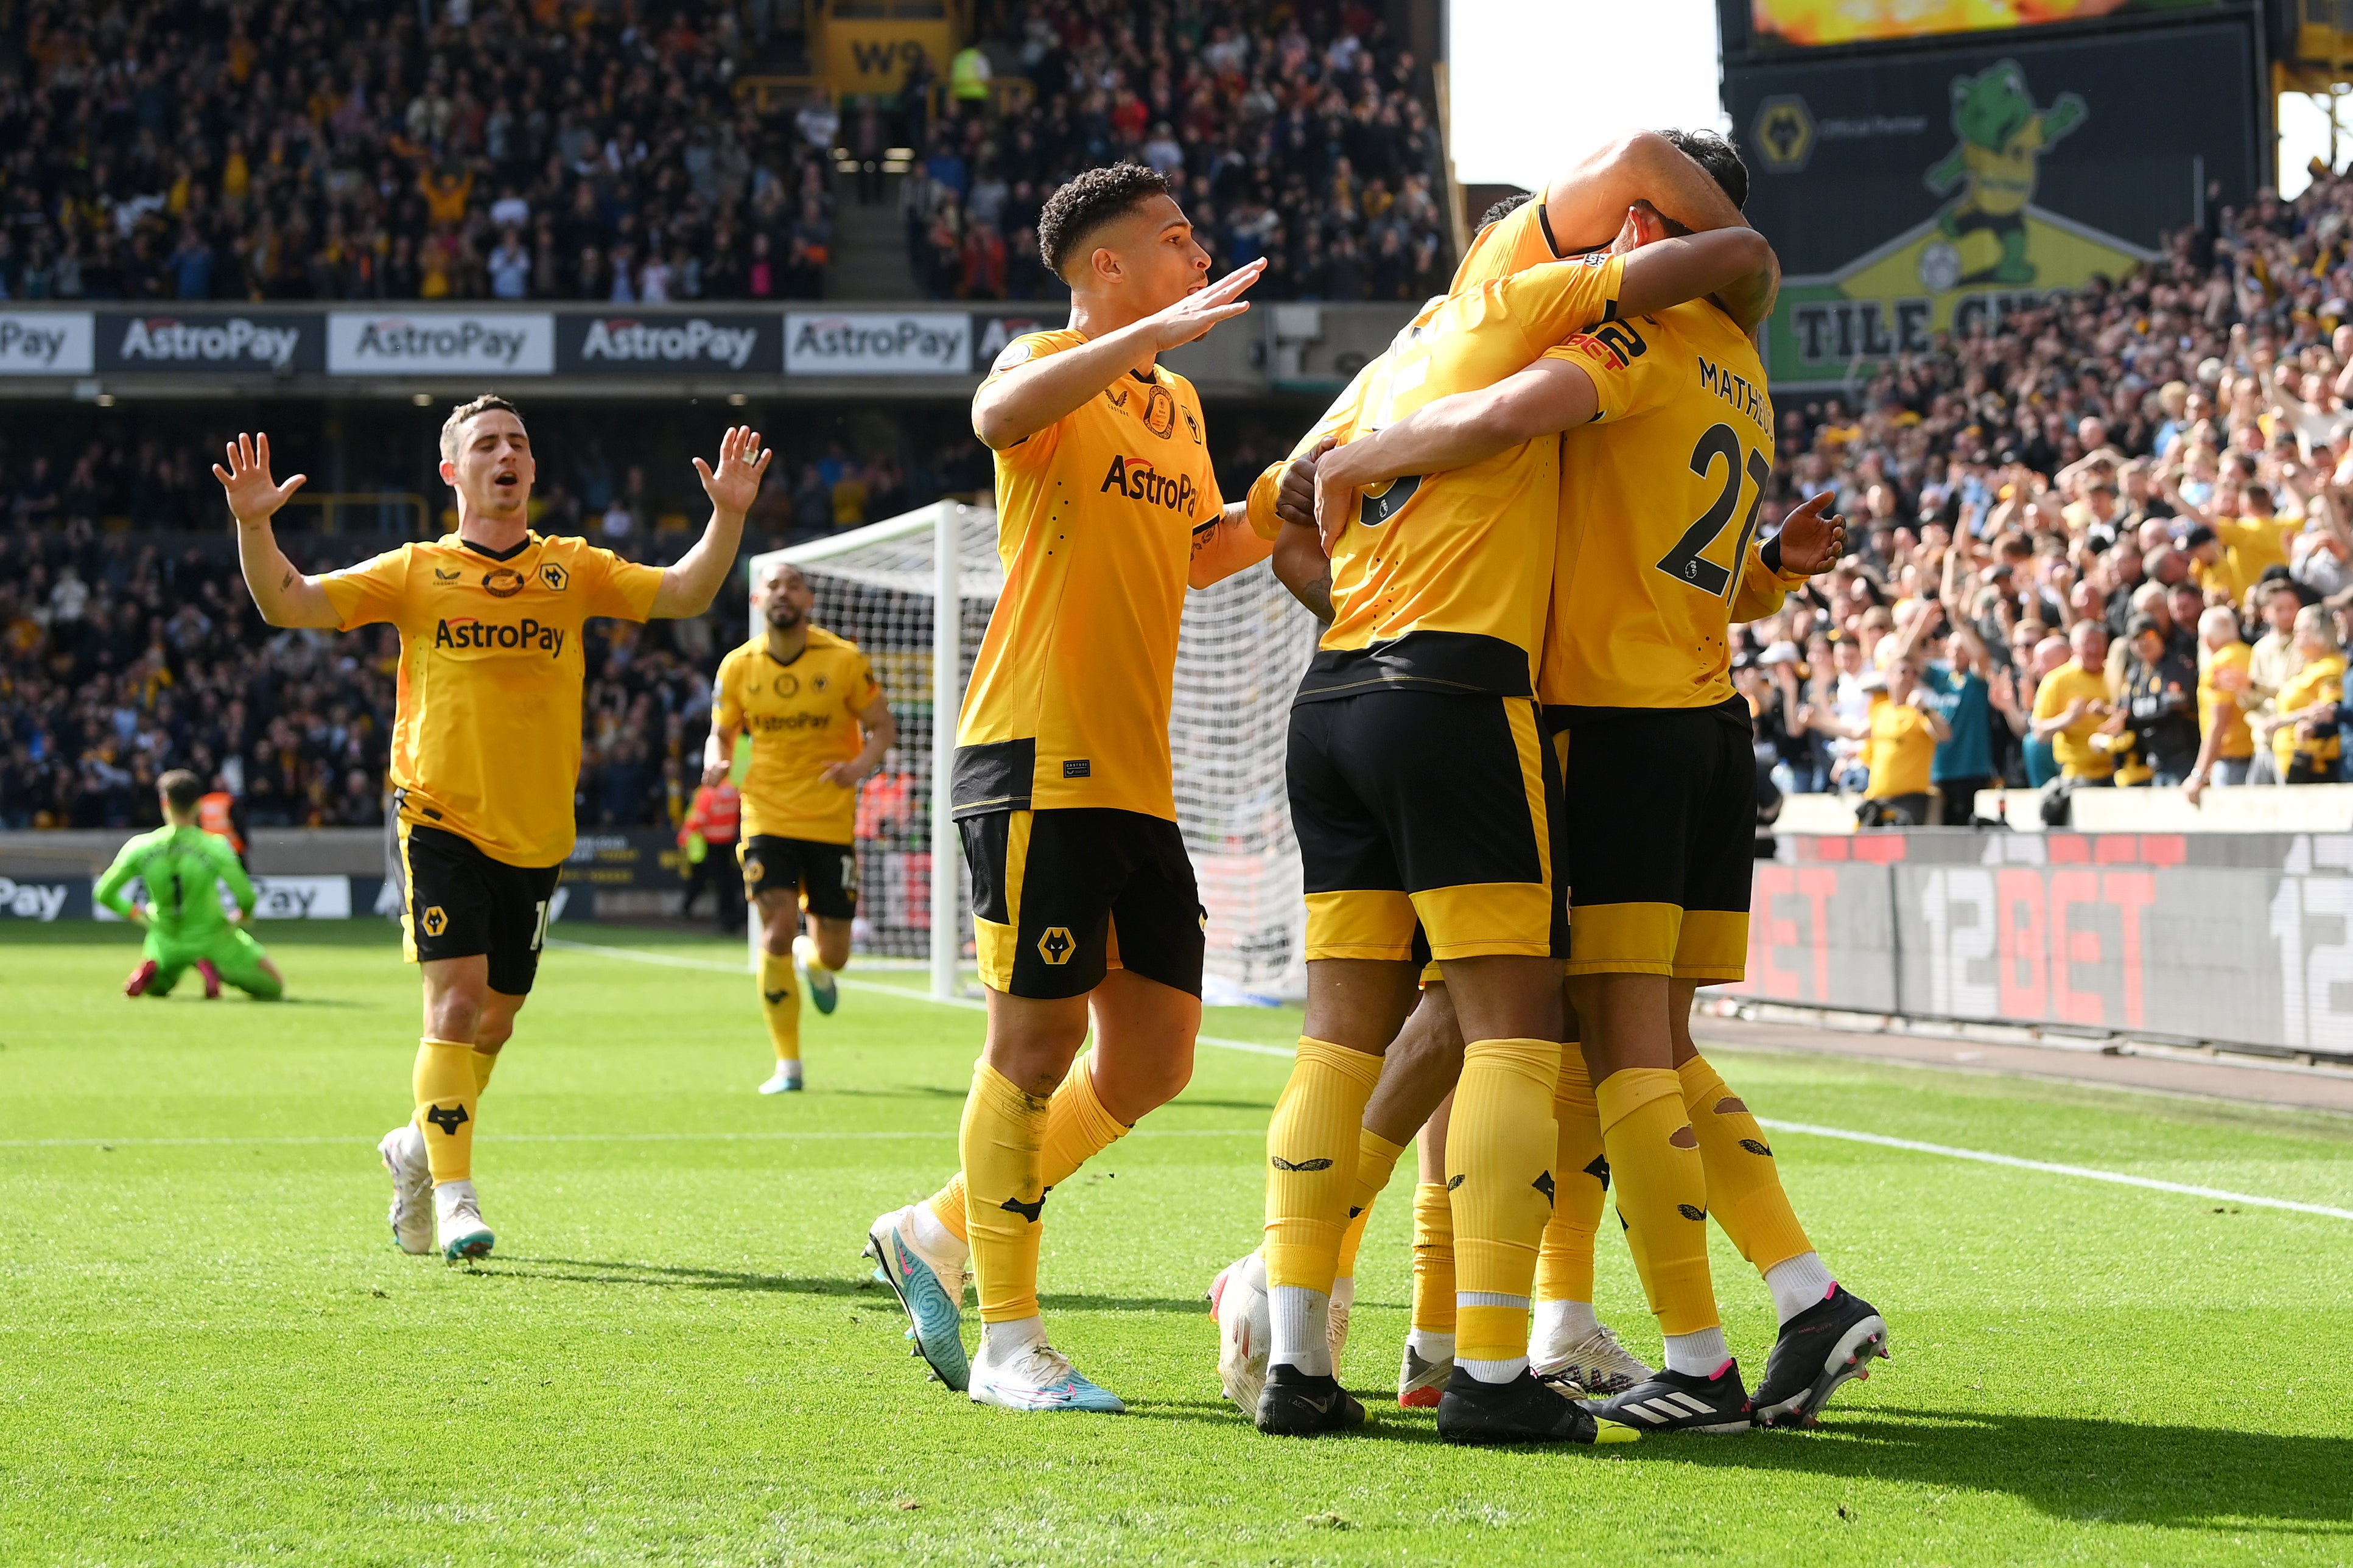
1522	786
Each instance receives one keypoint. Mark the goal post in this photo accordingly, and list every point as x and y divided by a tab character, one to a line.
1243	644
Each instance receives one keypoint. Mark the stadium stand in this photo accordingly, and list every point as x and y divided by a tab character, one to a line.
176	150
1305	135
2077	452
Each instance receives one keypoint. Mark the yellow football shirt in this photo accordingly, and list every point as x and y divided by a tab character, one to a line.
1097	517
1901	750
486	742
2322	681
2072	748
802	718
1440	580
1518	241
2249	545
1665	489
2222	687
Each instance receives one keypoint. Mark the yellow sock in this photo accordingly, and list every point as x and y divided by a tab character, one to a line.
781	1004
1376	1157
443	1082
1662	1193
999	1140
1078	1129
1433	1259
1310	1158
1581	1172
485	1062
1744	1185
1499	1153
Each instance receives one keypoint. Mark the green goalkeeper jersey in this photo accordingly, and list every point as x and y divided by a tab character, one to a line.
182	868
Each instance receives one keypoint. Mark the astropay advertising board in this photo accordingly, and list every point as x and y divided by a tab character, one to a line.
45	343
878	342
431	343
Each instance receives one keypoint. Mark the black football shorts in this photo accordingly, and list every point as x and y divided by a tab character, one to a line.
824	875
462	902
1063	896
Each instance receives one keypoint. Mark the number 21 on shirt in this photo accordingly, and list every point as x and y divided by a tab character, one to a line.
1687	562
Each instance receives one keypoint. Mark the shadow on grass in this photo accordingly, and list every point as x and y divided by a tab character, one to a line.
2085	1468
905	1092
667	1277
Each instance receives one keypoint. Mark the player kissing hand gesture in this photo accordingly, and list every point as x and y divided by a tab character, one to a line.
1196	313
735	484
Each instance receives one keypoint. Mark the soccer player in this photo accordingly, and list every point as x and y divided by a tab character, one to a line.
486	746
182	867
1669	431
1423	792
1084	903
820	727
1568	1347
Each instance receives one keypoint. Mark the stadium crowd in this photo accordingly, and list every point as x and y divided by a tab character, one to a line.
1299	134
505	149
2108	542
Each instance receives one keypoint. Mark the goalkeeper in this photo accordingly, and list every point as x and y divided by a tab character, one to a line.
183	866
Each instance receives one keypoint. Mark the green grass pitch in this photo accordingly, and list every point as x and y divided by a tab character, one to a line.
213	1355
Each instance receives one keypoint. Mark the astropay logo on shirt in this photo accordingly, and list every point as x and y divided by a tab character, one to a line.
415	342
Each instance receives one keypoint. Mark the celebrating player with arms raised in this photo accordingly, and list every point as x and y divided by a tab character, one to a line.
1084	901
1669	433
486	746
820	727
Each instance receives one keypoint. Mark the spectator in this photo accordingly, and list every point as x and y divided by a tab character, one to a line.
2302	731
2072	707
2226	747
1900	746
2159	709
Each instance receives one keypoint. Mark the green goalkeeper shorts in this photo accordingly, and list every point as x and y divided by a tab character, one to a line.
232	951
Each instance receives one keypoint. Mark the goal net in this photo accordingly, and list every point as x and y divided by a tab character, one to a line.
1244	643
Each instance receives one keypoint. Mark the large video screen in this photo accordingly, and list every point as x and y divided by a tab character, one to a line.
1908	196
1812	24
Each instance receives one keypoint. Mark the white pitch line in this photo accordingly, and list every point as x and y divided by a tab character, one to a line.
778	1137
2082	1173
1981	1157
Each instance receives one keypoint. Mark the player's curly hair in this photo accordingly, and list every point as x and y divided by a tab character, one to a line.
1502	210
465	411
1098	196
1719	157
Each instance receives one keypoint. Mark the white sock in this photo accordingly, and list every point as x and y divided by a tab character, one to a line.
1430	1345
1001	1342
936	1244
1503	1369
1701	1354
1302	1318
1798	1283
1556	1325
447	1195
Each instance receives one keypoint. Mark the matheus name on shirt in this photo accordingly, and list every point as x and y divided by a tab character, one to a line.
1735	389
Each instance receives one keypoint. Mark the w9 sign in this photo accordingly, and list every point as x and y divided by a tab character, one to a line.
2118	931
